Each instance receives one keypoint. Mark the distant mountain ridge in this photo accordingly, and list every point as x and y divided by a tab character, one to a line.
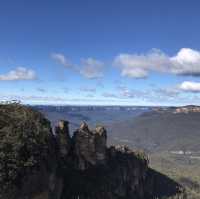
149	128
35	164
180	109
171	135
166	128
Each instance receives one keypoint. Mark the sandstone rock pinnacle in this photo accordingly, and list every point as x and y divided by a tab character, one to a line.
63	137
89	146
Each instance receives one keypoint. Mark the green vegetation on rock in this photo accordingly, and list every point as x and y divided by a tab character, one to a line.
24	140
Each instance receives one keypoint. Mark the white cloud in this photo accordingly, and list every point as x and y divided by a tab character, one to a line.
19	73
90	68
61	59
190	86
185	62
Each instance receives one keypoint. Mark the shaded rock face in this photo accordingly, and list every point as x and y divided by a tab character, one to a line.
89	146
27	152
100	144
63	138
35	164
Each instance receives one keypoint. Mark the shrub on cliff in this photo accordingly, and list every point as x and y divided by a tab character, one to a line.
24	143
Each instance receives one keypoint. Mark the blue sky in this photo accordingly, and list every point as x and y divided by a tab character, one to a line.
108	52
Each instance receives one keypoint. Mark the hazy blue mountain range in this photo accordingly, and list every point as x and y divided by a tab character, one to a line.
149	128
93	115
35	164
169	135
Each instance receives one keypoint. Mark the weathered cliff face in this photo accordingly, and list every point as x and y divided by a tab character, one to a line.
35	164
89	147
95	171
27	152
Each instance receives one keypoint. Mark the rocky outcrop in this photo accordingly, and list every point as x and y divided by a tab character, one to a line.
89	146
27	153
63	138
178	110
187	109
36	164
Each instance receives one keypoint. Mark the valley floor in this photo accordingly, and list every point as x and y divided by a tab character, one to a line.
180	168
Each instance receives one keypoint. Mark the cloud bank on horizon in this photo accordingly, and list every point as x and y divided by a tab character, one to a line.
185	63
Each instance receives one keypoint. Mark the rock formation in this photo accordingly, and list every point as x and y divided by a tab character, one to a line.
63	138
89	146
36	164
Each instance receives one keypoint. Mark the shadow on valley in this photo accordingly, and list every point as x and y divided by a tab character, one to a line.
163	186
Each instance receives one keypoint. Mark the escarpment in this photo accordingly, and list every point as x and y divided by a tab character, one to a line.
27	152
36	163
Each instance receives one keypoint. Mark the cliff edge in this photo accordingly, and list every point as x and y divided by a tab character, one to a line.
36	163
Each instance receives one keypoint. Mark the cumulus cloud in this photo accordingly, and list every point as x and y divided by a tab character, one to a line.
90	68
19	73
61	59
190	86
185	62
